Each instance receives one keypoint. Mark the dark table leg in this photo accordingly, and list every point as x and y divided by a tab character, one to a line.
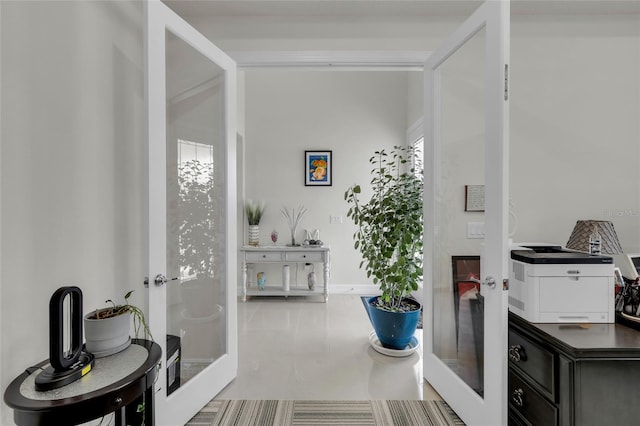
120	417
149	406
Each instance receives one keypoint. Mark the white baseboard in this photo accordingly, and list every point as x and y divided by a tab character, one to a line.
363	289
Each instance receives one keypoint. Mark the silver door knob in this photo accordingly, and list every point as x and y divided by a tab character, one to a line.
160	280
489	281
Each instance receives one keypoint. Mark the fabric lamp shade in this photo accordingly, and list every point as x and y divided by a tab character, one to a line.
579	239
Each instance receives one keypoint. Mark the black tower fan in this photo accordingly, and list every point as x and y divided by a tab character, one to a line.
68	364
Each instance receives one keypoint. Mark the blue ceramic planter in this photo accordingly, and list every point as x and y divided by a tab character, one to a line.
394	329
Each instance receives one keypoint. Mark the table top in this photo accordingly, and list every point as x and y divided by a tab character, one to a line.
112	380
303	247
588	339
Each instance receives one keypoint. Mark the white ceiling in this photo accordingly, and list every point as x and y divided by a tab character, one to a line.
397	8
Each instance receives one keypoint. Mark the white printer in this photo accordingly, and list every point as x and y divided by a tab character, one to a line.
552	284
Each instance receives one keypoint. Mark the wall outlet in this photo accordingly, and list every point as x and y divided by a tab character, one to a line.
336	219
475	230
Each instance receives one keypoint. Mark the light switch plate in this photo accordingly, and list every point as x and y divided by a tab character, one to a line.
475	230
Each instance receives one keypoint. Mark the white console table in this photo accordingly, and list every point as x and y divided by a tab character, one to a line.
285	255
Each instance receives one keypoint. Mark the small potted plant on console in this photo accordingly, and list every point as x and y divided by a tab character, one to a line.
107	330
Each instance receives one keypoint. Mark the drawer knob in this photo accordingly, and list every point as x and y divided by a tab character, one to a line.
517	353
264	256
518	397
117	401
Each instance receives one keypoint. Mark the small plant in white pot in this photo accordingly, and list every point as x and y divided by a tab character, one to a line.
389	237
254	212
107	330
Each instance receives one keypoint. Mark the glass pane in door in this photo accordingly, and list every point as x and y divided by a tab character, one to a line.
196	312
457	299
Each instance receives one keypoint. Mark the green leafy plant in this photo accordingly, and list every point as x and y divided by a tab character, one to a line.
390	225
254	211
139	320
196	219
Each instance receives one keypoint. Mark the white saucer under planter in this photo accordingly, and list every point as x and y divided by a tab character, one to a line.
107	336
412	347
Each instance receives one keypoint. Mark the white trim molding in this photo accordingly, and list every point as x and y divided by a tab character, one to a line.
416	131
359	289
407	60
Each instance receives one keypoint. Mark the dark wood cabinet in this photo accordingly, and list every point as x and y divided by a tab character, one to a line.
573	374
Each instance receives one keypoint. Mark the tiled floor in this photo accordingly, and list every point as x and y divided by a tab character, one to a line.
303	349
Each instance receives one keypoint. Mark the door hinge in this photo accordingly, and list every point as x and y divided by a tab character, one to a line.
505	284
506	82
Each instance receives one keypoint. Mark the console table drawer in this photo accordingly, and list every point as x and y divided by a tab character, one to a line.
303	257
535	361
529	403
263	256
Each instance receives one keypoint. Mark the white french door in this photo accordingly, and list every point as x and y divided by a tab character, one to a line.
191	101
466	146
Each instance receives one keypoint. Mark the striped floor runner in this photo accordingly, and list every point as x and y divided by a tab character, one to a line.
291	413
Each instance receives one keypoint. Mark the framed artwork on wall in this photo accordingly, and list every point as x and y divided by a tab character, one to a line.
318	168
474	198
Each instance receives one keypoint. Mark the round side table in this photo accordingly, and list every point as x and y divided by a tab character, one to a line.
114	382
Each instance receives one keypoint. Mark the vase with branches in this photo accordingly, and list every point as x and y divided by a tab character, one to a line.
293	218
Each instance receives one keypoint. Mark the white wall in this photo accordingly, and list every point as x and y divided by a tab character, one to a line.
575	99
349	113
575	132
73	165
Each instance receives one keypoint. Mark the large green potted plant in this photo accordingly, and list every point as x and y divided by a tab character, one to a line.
389	237
196	218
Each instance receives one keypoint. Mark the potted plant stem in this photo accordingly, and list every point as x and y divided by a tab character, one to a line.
107	330
389	237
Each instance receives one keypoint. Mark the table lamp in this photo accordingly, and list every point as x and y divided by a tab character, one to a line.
579	239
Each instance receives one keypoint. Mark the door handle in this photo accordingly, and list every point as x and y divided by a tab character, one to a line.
518	397
517	353
489	281
159	280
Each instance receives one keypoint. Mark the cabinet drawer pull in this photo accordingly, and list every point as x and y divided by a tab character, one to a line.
518	397
264	256
517	353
